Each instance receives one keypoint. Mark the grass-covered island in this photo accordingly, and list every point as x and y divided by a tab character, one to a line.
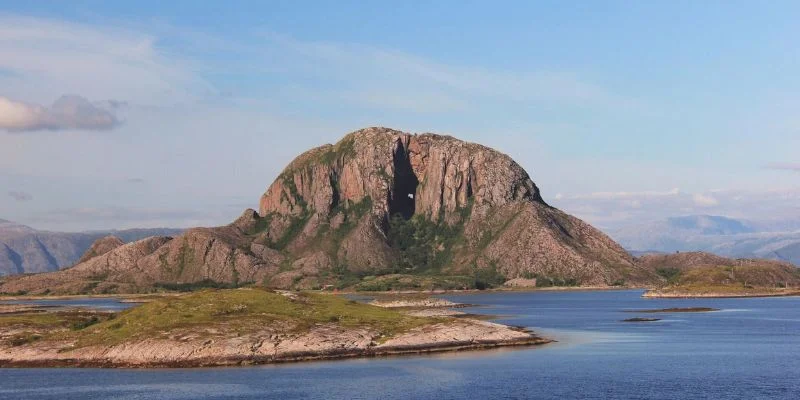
690	275
234	327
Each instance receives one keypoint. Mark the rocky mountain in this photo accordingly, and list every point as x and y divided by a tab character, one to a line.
27	250
720	235
378	202
100	247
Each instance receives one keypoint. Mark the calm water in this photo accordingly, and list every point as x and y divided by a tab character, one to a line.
105	304
750	350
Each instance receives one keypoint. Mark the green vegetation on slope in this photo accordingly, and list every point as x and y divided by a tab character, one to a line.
738	280
424	245
389	282
35	325
242	310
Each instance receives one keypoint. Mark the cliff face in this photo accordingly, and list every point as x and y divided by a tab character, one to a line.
101	246
492	207
383	201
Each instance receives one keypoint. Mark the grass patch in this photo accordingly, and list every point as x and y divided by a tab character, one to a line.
35	325
239	309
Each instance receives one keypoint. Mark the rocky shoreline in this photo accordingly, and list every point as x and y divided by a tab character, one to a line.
243	327
659	294
326	342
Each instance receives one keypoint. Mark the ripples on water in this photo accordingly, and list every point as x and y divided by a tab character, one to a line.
749	350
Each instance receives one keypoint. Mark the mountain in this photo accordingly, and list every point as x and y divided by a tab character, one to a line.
720	235
379	203
101	247
27	250
678	233
709	225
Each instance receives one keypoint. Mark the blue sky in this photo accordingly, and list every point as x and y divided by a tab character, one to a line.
620	111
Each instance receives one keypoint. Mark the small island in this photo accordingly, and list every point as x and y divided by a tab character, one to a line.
675	310
235	327
641	319
698	275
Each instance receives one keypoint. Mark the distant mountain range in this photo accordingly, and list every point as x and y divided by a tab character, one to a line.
26	250
720	235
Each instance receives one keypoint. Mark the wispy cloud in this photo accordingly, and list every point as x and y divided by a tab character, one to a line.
393	79
68	112
613	210
624	195
703	200
20	196
123	217
784	166
46	57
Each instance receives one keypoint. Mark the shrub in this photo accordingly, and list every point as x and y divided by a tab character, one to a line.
192	286
83	324
671	274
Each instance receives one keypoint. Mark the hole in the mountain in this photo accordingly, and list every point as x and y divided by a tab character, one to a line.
404	190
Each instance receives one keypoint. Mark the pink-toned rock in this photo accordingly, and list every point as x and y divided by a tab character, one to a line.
328	213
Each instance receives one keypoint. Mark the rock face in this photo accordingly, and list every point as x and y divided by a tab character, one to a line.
383	201
100	247
268	345
495	209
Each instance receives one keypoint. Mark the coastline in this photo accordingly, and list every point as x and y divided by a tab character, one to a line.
234	361
654	294
244	327
145	297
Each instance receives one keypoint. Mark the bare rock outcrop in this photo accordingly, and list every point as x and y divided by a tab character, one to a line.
489	201
268	345
341	210
101	246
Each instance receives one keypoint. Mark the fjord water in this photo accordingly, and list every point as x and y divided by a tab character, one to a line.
748	350
95	303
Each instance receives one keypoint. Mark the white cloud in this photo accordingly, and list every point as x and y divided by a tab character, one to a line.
630	208
68	112
625	195
702	200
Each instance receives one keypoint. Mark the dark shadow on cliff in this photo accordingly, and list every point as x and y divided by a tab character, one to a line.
404	190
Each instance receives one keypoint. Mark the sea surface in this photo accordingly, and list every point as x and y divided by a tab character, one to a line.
96	303
748	350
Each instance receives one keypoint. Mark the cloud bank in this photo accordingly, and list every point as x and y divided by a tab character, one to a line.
614	210
785	166
20	196
68	112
